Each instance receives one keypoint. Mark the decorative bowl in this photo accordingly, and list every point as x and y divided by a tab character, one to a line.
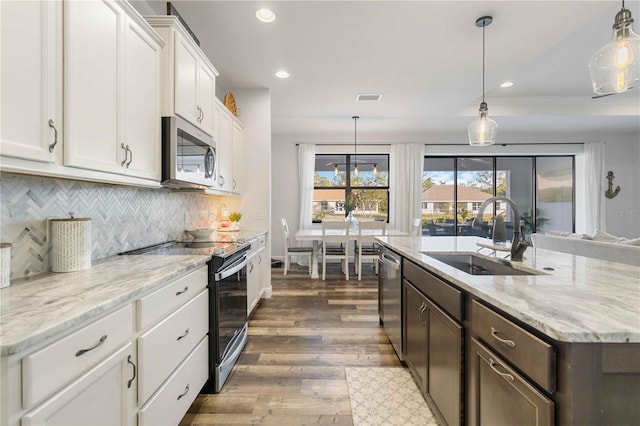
201	234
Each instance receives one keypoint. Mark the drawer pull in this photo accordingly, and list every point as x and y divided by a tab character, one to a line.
134	372
186	288
507	376
423	308
83	351
186	333
186	391
507	342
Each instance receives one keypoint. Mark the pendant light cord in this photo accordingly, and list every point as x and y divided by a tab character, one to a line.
483	28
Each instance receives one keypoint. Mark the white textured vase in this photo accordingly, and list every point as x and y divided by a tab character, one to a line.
71	244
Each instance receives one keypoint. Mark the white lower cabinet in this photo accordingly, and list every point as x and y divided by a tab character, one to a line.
175	396
105	395
256	272
163	347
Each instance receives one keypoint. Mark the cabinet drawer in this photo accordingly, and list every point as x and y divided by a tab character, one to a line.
532	356
174	398
500	396
162	348
447	297
153	307
51	367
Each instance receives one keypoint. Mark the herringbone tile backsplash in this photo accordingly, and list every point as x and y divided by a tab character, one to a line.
122	218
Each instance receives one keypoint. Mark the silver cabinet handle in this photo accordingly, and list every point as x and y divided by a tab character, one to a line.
55	135
423	308
134	372
186	333
186	288
220	180
100	342
130	157
507	342
234	184
186	391
126	153
507	376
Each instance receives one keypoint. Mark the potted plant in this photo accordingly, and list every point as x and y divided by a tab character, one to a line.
235	217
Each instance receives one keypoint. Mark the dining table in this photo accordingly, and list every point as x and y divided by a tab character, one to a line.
315	236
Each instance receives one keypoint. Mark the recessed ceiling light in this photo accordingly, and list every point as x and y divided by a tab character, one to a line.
507	84
369	97
265	15
282	74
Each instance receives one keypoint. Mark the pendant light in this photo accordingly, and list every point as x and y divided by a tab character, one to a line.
615	67
355	144
336	170
482	132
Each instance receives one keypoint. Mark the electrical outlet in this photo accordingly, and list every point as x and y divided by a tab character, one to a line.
259	214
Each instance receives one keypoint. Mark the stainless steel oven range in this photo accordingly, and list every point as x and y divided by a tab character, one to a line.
227	301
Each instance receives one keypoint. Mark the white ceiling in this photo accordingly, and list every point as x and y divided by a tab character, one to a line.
425	57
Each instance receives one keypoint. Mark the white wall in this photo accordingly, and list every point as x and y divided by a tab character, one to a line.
622	157
284	198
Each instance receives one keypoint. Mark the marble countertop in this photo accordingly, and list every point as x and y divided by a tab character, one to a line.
37	308
580	300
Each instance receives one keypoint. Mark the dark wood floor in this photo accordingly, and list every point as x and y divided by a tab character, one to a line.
292	369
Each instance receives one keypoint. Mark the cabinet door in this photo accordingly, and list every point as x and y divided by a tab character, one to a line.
92	68
500	396
186	71
445	358
415	334
224	148
206	93
104	395
31	86
238	158
142	103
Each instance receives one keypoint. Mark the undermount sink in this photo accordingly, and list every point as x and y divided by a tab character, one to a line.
474	264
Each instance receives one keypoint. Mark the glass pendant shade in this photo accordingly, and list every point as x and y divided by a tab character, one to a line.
615	68
483	131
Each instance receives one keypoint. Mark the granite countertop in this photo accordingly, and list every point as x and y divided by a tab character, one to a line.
37	308
580	300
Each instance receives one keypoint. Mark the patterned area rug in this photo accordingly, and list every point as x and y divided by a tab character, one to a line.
386	396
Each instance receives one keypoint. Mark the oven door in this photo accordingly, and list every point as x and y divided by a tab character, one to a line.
229	304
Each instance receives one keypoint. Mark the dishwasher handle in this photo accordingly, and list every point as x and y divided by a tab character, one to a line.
392	262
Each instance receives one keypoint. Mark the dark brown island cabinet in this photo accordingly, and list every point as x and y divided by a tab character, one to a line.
476	365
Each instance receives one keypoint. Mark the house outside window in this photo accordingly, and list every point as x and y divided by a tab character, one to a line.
338	190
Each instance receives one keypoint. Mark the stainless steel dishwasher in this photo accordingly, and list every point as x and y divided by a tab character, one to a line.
390	298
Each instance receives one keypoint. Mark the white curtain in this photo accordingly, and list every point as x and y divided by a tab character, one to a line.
590	188
306	167
405	184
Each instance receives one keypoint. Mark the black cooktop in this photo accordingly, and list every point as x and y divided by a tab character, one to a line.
222	249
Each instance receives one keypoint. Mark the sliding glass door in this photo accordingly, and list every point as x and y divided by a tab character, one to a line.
541	188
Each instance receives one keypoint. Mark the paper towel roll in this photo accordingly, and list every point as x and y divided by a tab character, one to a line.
5	264
71	244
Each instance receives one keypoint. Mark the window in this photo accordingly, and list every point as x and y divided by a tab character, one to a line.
542	187
337	192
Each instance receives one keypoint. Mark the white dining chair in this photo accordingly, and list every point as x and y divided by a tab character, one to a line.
293	251
366	246
335	244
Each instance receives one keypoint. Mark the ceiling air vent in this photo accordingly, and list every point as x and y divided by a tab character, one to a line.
369	97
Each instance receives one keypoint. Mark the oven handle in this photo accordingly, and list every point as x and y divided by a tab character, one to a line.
219	276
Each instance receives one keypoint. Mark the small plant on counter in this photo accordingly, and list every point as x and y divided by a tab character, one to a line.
235	217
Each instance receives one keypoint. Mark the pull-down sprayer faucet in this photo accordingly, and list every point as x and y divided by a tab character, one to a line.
518	245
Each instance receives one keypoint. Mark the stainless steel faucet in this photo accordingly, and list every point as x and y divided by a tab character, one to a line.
518	245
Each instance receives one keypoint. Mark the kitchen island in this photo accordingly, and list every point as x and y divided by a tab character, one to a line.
578	318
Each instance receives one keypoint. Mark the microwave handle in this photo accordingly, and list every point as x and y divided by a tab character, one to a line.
209	155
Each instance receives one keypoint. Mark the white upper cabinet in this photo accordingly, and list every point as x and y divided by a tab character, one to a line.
189	78
112	89
31	86
238	158
230	149
142	130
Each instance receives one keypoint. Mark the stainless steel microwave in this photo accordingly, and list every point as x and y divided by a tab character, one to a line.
188	155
